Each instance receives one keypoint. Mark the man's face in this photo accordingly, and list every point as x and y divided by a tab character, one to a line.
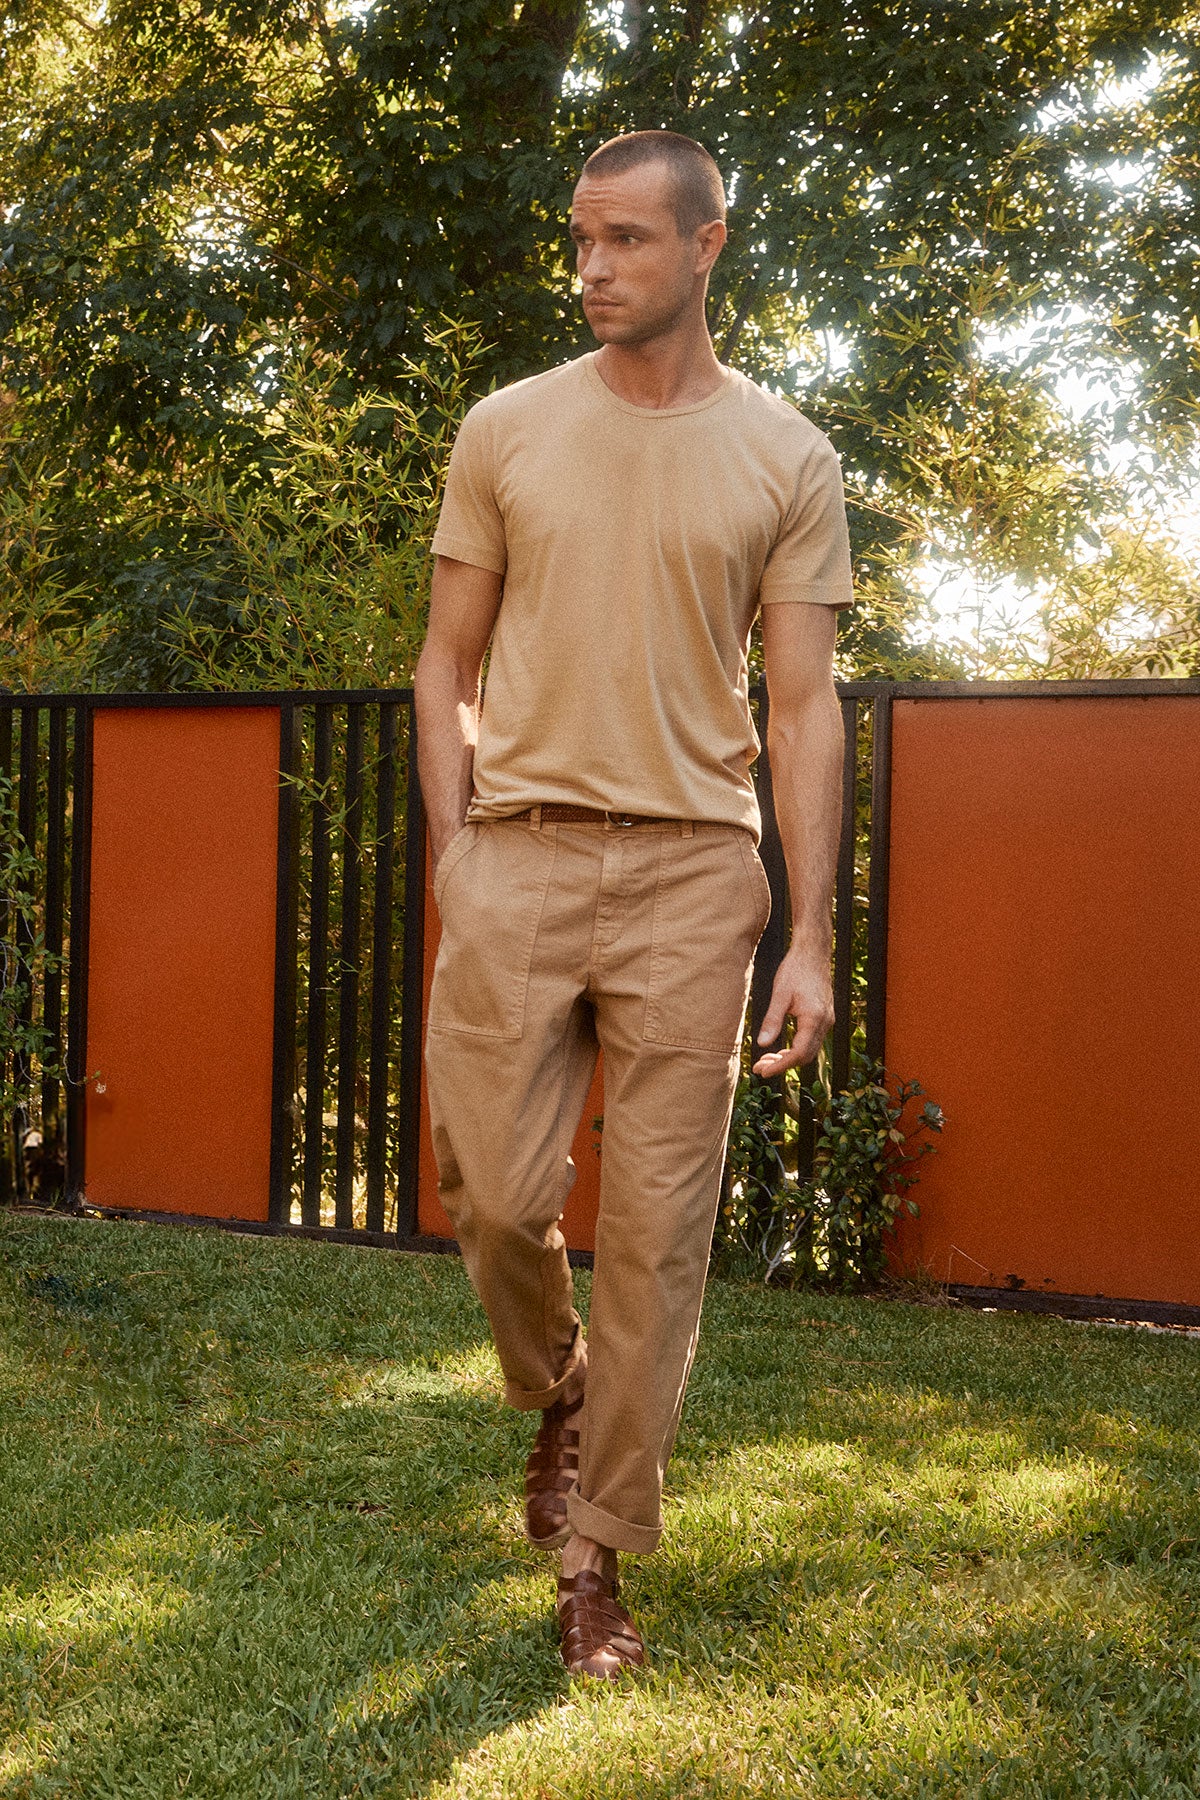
638	274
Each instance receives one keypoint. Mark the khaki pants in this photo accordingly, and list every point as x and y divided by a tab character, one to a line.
557	939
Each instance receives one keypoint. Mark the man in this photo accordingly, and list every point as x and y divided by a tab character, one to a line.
611	529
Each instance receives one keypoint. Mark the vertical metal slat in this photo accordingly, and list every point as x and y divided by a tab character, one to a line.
348	970
877	887
287	883
56	812
23	936
318	962
412	997
381	968
843	943
77	966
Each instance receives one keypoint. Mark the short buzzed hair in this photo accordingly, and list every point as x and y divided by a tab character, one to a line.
699	192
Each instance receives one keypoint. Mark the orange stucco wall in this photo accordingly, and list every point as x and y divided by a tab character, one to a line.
579	1217
1044	986
181	959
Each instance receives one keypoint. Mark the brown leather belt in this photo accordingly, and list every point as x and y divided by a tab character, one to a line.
556	813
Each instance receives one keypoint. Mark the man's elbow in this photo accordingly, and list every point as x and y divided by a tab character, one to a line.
441	673
812	712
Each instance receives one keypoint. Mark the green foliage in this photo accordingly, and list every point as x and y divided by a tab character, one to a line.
314	573
935	216
26	1048
829	1227
308	570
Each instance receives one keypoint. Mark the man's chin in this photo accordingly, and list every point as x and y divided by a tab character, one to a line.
613	329
607	328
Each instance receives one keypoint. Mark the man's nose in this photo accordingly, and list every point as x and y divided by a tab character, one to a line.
598	268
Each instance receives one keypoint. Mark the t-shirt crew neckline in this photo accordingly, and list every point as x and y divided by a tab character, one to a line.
655	412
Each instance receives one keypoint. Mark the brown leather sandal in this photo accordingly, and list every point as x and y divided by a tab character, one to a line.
598	1636
550	1473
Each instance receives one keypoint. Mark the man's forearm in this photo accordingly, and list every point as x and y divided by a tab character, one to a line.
805	741
463	603
447	705
806	778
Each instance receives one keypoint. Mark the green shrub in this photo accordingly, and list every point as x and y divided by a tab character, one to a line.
829	1227
319	573
307	569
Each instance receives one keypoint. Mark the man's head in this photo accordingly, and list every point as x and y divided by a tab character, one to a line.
648	221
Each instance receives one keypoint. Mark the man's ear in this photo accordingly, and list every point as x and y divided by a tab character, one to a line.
710	241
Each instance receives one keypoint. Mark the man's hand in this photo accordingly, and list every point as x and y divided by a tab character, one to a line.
802	988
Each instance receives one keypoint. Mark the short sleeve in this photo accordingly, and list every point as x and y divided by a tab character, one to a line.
810	559
470	526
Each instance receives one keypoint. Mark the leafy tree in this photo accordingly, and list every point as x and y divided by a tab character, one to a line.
195	195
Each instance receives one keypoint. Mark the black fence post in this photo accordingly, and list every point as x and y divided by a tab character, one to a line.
408	1136
381	969
877	889
77	965
27	820
52	989
287	891
318	966
348	954
843	941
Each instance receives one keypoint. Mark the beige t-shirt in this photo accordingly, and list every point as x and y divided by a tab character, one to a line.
636	547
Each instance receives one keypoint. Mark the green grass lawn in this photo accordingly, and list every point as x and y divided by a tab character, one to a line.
259	1537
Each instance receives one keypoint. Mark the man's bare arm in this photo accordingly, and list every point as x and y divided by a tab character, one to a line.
805	744
463	604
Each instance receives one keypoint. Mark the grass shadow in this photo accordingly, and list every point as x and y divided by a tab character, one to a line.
259	1537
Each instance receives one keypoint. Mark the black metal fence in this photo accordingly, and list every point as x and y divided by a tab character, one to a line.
349	943
45	747
348	976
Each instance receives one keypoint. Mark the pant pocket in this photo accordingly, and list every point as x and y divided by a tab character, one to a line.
458	846
708	916
759	881
491	901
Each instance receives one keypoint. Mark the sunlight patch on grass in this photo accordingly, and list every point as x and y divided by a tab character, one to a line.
271	1505
666	1734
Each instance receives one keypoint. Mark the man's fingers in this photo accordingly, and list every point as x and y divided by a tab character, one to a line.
775	1063
772	1024
802	1050
781	1003
808	1038
801	998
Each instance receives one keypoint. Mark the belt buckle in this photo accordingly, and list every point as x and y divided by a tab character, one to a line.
622	820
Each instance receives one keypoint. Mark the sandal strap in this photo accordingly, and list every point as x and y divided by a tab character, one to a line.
556	1481
591	1620
551	1471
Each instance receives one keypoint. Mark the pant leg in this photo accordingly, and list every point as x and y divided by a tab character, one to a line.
510	1055
670	987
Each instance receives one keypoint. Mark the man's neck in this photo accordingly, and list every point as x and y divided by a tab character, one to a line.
678	369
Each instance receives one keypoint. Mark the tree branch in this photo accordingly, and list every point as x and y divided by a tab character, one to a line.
326	36
749	293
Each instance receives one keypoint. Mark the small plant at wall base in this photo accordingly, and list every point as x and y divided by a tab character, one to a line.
827	1228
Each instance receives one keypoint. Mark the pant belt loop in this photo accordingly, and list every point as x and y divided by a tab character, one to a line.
687	829
535	818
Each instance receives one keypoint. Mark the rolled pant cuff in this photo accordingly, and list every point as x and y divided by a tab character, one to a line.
525	1400
603	1528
